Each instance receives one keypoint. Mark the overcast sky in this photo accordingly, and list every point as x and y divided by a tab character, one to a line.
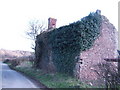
16	14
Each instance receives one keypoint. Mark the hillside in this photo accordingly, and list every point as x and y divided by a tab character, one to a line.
13	54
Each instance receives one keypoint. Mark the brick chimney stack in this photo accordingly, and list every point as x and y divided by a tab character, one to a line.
51	23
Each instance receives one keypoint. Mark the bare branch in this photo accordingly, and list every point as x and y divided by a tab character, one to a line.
35	28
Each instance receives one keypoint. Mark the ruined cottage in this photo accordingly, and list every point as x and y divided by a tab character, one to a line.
104	46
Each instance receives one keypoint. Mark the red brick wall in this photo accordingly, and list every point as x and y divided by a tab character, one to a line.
104	47
51	23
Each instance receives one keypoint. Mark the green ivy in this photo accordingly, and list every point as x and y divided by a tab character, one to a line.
68	41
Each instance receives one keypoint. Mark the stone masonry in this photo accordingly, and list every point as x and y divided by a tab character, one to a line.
104	47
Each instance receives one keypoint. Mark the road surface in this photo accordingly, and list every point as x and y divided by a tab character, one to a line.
13	79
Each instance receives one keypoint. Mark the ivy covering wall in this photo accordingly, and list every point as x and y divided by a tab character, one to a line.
68	41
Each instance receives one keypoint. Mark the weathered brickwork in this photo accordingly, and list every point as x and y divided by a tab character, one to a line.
51	23
104	47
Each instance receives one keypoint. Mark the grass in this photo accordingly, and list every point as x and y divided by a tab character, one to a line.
56	80
51	80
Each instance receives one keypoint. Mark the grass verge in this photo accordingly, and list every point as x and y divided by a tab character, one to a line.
50	80
56	80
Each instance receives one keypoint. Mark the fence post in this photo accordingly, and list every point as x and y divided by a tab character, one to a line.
119	65
106	77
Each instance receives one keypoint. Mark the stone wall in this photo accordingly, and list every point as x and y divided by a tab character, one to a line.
43	53
104	47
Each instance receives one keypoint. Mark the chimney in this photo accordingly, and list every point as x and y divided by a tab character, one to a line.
51	23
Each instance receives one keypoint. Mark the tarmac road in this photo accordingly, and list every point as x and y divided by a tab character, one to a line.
13	79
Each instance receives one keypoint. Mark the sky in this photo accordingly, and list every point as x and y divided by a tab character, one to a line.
15	16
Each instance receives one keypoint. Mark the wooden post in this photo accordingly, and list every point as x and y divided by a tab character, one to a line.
119	65
106	79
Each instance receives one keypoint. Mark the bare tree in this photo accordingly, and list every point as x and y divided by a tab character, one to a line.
35	28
